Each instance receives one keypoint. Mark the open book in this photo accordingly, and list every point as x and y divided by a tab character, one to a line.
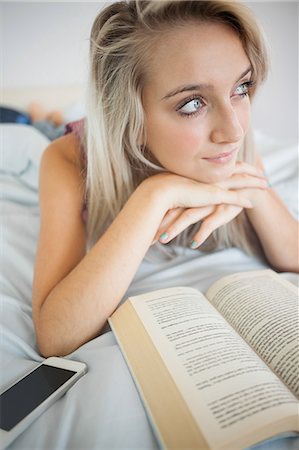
218	371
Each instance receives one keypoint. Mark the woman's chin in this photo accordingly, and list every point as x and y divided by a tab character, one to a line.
208	175
215	176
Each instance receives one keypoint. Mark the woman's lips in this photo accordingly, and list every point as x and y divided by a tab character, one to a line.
222	158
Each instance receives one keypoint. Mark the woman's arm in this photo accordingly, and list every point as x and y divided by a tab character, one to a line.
277	230
74	293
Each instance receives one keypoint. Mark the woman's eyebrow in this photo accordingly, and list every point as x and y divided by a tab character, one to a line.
202	86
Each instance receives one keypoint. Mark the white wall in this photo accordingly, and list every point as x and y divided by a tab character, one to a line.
275	110
47	43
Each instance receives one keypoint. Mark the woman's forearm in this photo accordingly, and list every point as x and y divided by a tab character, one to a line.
277	230
78	307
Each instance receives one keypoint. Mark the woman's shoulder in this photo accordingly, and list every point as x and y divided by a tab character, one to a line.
70	146
65	146
63	156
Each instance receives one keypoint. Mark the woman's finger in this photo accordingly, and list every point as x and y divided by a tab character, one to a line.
222	215
170	216
168	219
226	196
241	181
249	169
188	217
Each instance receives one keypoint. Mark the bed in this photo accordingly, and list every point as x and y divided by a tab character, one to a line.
103	409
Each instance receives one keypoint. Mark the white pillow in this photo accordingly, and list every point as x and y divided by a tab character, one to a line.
22	147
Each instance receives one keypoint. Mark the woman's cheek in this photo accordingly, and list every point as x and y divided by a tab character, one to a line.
185	140
245	115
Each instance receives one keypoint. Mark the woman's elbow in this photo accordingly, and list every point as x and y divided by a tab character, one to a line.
47	340
286	264
48	346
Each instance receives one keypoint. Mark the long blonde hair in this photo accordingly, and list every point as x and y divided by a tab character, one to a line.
121	41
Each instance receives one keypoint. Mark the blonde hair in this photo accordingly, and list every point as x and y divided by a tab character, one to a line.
121	41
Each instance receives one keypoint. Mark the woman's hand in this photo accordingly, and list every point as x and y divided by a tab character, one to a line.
246	179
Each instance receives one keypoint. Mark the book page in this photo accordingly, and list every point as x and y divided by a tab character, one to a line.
263	308
231	393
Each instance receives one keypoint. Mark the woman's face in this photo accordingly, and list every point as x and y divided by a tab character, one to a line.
196	108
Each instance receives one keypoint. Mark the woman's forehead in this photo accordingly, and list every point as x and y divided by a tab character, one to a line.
206	53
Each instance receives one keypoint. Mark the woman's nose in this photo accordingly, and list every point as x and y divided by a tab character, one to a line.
226	126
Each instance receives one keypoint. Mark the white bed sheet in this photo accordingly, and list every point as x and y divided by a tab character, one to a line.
103	409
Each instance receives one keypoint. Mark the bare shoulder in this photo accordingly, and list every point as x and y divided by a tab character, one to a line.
61	183
66	147
61	170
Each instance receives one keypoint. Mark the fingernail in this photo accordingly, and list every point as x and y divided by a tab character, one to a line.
267	179
163	237
194	244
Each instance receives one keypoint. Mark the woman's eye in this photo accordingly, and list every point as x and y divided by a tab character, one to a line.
191	107
244	88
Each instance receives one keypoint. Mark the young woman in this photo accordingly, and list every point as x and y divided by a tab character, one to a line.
165	158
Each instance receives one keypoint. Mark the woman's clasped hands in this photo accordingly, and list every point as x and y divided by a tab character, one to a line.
213	204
